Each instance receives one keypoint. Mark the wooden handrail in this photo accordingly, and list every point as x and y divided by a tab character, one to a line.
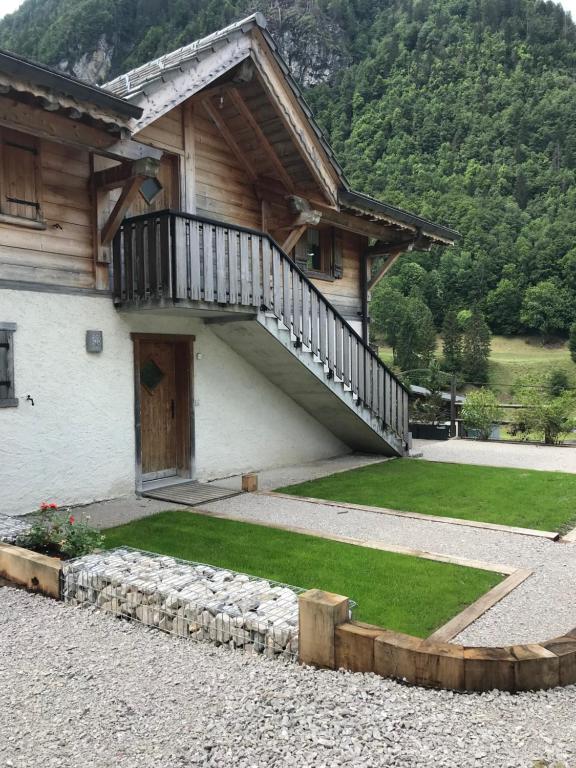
173	256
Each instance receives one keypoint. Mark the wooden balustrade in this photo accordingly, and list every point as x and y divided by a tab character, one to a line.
170	257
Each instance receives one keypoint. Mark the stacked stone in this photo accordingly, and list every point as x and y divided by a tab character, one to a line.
188	599
11	528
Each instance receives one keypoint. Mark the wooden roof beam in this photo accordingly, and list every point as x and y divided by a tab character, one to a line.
228	138
117	176
242	108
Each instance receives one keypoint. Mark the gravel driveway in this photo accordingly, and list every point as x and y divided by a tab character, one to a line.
79	689
549	458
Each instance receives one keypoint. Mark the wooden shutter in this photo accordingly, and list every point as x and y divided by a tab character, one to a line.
7	390
301	253
19	173
337	255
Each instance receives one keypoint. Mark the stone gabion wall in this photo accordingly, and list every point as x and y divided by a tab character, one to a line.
12	527
188	599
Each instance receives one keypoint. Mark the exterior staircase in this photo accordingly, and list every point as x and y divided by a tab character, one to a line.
264	307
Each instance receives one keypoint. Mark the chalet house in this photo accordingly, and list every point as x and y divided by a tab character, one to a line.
184	278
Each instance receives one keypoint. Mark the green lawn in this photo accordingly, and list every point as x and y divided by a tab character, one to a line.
542	500
512	357
399	592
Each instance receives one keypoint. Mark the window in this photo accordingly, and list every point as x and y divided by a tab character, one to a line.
7	392
319	252
19	176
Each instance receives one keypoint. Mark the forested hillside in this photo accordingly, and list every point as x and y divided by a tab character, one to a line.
463	110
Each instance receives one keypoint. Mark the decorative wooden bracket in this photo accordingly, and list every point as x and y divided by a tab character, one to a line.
129	176
391	252
305	214
119	175
293	238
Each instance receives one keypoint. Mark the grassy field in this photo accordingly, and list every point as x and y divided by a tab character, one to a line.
399	592
528	499
514	357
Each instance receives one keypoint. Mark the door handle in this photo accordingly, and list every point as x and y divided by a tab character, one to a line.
172	408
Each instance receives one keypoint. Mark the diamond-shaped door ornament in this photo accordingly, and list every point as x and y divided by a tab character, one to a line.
151	375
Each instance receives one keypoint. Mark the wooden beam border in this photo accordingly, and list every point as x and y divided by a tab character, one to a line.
479	607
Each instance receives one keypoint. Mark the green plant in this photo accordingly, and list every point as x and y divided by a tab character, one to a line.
557	382
481	411
60	534
549	418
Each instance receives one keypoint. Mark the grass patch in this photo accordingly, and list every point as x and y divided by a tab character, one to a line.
528	499
399	592
512	357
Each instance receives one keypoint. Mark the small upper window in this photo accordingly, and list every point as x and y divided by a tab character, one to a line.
319	252
7	391
19	176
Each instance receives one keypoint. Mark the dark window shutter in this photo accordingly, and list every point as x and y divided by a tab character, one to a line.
19	162
301	253
338	255
7	390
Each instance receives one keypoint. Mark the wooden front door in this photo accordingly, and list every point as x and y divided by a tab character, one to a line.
163	381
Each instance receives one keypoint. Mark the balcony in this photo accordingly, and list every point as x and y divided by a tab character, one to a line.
176	260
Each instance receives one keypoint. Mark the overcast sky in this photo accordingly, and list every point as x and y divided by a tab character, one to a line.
7	6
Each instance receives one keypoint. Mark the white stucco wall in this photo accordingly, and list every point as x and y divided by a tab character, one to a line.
76	444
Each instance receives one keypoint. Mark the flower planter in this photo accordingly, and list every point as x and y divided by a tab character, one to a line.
36	572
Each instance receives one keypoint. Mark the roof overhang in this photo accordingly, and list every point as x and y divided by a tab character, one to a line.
162	84
60	85
355	201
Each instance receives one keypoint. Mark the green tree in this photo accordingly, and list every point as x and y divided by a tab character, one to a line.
387	311
572	342
544	417
557	382
476	348
416	341
481	412
545	308
452	342
503	307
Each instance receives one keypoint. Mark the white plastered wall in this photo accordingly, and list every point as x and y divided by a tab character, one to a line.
76	443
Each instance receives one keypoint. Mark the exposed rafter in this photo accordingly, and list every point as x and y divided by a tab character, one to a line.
228	138
242	108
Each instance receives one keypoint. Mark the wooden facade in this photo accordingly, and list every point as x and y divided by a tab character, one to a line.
208	192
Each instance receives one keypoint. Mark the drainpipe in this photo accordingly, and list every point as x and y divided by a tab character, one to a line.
364	295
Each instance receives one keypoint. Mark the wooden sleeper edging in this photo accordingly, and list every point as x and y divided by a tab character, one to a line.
360	647
36	572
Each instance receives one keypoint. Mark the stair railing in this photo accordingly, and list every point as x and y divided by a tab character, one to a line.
169	256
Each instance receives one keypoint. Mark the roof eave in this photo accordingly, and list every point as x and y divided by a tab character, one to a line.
47	77
391	213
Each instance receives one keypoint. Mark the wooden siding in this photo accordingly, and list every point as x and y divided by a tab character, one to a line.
165	133
62	253
345	293
223	189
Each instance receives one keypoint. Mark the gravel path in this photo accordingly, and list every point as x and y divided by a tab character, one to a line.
79	689
543	457
541	608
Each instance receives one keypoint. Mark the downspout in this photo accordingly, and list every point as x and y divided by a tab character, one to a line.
364	260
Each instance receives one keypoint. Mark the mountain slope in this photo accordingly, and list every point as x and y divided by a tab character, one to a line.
460	109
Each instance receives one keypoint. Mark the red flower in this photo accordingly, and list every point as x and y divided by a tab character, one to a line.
71	519
53	506
44	505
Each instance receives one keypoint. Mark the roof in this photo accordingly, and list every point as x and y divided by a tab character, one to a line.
65	85
134	83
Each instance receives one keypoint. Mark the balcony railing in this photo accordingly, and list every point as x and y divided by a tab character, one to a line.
172	257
